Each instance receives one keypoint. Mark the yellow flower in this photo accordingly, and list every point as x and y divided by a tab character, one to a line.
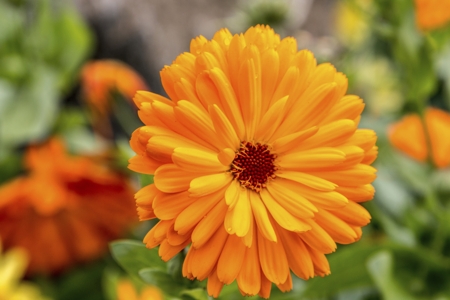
127	291
258	162
408	135
65	210
12	267
432	14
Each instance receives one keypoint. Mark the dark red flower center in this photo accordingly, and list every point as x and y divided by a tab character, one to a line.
253	165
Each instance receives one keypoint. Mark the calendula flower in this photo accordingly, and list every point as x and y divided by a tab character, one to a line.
432	14
127	291
257	160
99	78
12	268
408	136
65	210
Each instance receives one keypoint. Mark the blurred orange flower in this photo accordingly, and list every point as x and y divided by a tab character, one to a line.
65	210
432	14
101	77
408	135
127	291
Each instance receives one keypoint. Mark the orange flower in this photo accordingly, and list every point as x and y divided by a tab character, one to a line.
408	135
432	14
127	291
258	162
101	77
65	210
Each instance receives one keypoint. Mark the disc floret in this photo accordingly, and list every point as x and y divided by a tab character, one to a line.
253	165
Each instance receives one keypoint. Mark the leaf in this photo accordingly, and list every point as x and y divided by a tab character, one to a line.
380	269
11	21
75	42
146	179
197	294
134	256
348	271
32	111
162	280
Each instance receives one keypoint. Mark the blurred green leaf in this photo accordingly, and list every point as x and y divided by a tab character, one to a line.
32	111
109	283
146	179
380	268
348	271
197	294
162	280
10	166
134	256
11	21
75	41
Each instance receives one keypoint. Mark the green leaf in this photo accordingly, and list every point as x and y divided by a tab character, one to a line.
32	111
134	256
146	179
75	42
348	271
162	280
197	294
380	268
11	21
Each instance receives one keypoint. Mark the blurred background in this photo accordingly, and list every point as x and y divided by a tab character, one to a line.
69	70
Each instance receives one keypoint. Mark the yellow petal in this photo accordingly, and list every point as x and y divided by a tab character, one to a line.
261	217
271	120
195	212
308	180
239	218
205	185
194	160
332	134
232	194
311	159
209	224
281	215
223	127
229	103
226	157
292	140
317	238
249	88
273	260
293	202
231	259
170	178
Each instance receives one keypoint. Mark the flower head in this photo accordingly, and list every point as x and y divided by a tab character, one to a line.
408	136
432	14
99	78
65	210
258	162
12	268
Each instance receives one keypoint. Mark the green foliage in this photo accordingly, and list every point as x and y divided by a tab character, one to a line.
42	46
145	264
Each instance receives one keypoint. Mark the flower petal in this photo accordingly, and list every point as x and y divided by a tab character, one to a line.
170	178
194	160
311	159
284	218
238	219
308	180
205	185
262	218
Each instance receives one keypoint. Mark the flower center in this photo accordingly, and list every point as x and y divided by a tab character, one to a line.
253	166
